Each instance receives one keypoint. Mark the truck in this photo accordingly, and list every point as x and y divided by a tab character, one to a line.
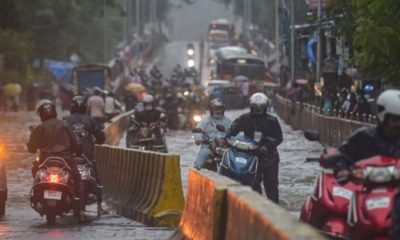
88	76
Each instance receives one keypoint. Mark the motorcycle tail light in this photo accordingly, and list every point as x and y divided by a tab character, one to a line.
54	178
380	174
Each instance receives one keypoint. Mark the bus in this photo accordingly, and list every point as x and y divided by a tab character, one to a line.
88	76
231	64
222	25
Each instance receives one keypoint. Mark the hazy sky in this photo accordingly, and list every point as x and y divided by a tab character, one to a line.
190	22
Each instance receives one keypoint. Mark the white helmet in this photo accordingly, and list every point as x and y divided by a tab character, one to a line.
388	102
258	103
148	99
148	102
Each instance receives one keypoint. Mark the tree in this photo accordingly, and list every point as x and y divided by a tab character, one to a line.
371	26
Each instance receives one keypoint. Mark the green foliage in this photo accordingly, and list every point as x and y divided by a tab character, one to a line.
372	26
15	48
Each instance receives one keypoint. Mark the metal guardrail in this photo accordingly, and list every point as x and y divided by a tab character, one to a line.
333	130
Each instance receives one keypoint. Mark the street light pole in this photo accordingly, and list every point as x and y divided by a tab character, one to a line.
292	42
319	13
105	32
277	28
138	17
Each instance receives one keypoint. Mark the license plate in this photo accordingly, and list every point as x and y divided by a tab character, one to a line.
56	195
241	160
342	192
374	203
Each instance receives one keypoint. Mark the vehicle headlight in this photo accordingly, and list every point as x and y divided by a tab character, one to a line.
190	63
197	118
190	52
379	174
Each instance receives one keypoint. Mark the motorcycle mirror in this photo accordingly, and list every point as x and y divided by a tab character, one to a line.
197	130
330	157
221	128
311	135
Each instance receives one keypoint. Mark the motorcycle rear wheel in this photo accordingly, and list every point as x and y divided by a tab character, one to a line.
50	219
2	207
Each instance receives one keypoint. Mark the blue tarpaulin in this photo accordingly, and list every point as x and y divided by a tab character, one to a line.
59	70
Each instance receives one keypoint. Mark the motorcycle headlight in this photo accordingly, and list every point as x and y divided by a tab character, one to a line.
380	174
197	118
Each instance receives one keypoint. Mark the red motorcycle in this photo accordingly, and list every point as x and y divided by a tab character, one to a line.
371	206
326	209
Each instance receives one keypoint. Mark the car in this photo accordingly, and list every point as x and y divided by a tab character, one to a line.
232	96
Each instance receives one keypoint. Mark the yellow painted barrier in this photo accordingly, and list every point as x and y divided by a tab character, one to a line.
143	186
251	216
218	208
202	215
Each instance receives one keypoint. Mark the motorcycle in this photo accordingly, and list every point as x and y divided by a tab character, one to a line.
240	161
216	146
370	207
53	193
144	136
92	192
327	207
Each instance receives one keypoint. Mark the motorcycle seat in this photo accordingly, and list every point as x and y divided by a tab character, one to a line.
55	162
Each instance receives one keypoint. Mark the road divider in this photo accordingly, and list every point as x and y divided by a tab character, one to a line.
219	208
141	185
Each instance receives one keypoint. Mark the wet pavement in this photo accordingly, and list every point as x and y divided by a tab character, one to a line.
22	222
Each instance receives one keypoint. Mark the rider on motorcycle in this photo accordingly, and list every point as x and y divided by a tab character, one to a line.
84	127
54	138
86	130
255	123
146	112
155	73
384	139
208	125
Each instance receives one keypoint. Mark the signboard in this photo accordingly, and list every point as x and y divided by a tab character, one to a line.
313	4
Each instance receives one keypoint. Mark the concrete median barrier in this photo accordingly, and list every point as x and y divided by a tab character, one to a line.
251	216
140	185
203	212
218	208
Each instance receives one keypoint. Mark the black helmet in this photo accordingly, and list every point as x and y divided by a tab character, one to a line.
217	108
46	109
78	105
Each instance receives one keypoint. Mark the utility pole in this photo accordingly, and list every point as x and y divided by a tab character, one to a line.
292	42
277	44
128	19
319	13
245	15
105	50
138	17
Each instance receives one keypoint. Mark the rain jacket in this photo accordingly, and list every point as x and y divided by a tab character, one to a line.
53	137
208	124
86	131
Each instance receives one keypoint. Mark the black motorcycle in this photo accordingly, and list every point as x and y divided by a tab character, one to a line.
92	192
53	192
146	136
